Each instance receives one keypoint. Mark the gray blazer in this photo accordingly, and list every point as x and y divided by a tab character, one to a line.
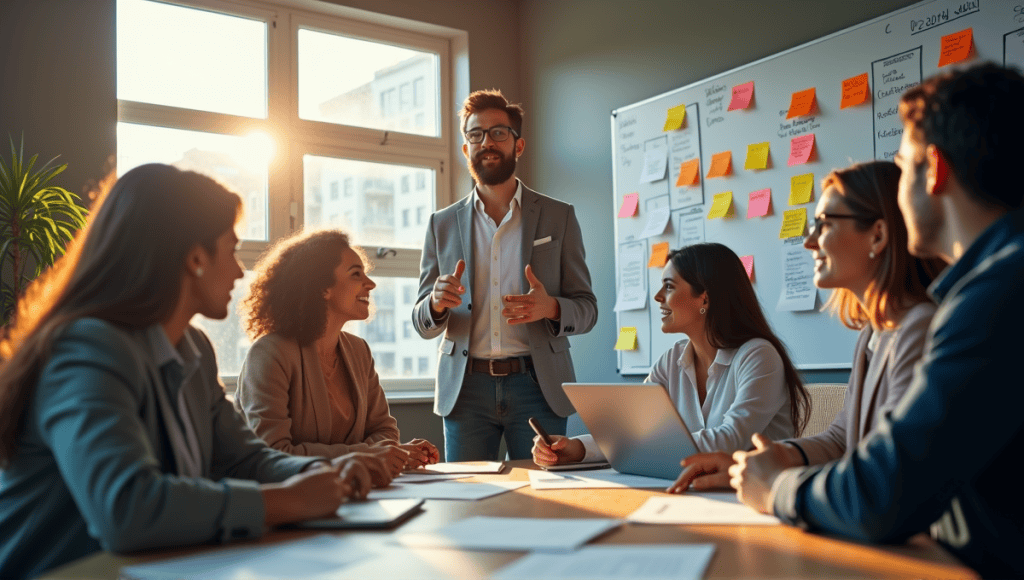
559	264
883	382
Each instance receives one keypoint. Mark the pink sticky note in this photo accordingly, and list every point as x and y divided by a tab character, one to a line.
741	95
759	202
748	265
629	203
800	149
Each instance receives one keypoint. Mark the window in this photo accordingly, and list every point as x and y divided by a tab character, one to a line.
209	85
409	294
424	365
407	366
419	215
407	331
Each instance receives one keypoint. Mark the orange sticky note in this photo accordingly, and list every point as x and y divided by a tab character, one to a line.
748	265
629	203
801	103
800	189
674	118
800	149
759	203
855	91
627	338
956	47
659	255
721	164
721	206
741	96
757	156
688	172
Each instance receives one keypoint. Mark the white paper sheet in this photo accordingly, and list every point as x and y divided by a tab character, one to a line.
511	534
632	287
475	467
316	557
445	490
798	291
655	165
699	508
598	478
420	476
656	221
680	562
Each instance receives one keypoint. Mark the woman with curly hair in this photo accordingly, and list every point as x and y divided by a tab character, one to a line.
307	387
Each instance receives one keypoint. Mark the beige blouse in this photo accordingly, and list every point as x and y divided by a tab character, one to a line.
283	396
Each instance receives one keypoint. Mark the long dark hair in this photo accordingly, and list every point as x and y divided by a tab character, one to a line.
124	267
287	296
734	315
900	280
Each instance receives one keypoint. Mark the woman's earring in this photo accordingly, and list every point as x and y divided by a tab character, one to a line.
199	272
703	310
871	255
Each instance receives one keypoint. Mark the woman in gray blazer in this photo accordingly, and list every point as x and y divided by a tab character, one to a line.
114	430
306	386
859	244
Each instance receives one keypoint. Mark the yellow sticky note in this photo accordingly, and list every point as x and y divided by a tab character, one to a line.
800	189
659	255
674	118
757	156
793	223
721	206
627	338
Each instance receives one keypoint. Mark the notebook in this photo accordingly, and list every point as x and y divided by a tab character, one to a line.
636	426
384	513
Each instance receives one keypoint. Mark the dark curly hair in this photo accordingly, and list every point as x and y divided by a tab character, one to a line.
287	296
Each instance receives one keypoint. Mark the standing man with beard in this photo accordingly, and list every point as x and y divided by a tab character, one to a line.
504	277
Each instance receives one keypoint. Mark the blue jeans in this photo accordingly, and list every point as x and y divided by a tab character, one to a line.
489	407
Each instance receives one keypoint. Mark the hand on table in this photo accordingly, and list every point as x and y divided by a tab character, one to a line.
421	453
756	471
313	493
704	471
562	450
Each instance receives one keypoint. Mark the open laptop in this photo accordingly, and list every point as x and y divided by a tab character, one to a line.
636	426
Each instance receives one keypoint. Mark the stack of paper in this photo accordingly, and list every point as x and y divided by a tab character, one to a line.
511	534
598	478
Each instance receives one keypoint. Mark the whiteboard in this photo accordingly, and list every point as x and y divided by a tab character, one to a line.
896	51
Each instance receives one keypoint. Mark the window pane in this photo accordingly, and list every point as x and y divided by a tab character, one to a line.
228	337
389	332
239	162
376	214
367	84
194	59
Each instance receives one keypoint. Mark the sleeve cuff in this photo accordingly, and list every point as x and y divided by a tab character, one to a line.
593	452
244	512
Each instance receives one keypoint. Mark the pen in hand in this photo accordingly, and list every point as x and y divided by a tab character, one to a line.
535	425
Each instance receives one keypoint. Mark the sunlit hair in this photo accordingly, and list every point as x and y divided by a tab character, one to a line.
491	99
124	267
900	280
975	118
287	295
733	314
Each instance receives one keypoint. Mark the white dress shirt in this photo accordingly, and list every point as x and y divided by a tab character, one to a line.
746	394
497	272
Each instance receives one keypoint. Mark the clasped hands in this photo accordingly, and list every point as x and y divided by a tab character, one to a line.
519	308
751	473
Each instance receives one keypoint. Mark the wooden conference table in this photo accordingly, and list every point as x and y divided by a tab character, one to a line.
742	551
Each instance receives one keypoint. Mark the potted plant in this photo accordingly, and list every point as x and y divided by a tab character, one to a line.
37	220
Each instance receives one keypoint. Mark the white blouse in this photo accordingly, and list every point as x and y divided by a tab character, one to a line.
746	394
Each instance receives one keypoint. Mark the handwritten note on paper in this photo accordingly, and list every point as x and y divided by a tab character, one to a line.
688	172
855	91
632	293
659	255
655	165
721	206
674	118
793	223
798	291
690	228
656	221
627	338
800	188
956	47
757	156
699	508
741	96
721	164
629	203
800	149
760	202
801	103
748	265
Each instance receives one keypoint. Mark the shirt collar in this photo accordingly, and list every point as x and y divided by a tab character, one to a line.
517	199
989	242
185	354
723	357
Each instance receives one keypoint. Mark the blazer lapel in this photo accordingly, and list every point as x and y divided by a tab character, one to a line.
530	218
464	217
873	374
315	391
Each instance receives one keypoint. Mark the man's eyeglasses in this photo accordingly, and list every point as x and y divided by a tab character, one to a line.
819	220
497	133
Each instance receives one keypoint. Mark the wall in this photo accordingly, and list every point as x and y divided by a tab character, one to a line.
583	58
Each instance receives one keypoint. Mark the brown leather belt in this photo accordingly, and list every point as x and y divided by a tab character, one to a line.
501	367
